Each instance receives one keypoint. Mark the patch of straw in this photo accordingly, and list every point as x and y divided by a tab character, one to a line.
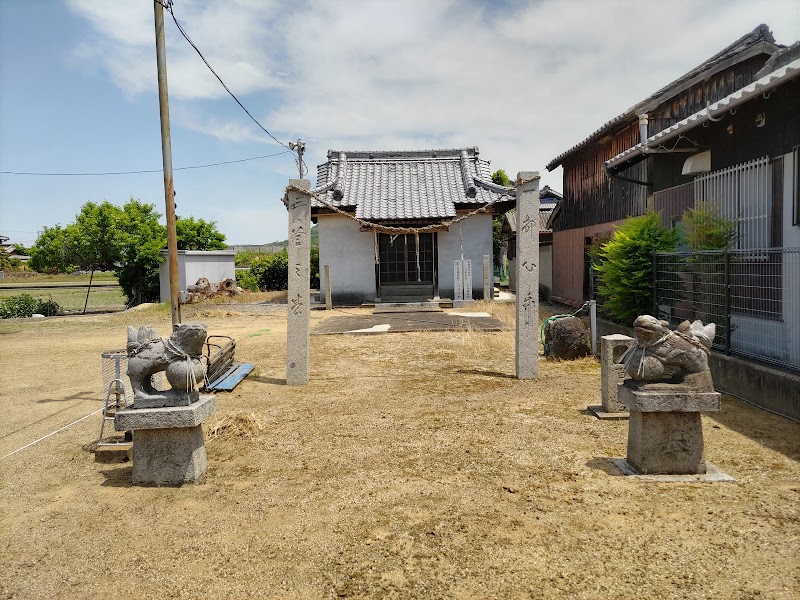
236	425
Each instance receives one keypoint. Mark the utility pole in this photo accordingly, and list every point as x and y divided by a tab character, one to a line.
300	147
166	152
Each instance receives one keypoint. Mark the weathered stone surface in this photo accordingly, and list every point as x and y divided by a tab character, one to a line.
527	266
297	333
488	278
713	474
612	373
666	398
168	417
666	443
169	456
566	339
669	356
178	357
326	274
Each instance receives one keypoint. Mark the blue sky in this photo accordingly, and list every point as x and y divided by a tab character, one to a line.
523	81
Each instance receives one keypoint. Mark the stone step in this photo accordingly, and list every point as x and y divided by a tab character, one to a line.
113	453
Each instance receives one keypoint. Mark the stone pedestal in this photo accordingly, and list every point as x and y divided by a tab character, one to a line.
612	373
665	434
168	443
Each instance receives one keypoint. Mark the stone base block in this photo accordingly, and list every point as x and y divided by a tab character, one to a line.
168	442
612	372
169	456
165	417
666	443
712	475
601	413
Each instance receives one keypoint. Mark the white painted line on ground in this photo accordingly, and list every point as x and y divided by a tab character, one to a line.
468	314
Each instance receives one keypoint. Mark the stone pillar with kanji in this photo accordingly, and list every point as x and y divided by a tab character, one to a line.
299	294
527	338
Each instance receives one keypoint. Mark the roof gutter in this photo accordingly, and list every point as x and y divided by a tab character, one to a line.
711	113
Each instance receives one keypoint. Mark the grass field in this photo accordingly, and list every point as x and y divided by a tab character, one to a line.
29	278
71	300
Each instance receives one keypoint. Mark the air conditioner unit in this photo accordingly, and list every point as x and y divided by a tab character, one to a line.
697	163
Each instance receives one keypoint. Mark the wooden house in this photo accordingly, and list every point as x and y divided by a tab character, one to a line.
619	169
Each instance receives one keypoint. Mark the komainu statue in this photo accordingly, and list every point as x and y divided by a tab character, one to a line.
663	355
179	356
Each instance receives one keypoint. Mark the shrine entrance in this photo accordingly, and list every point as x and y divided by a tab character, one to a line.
405	273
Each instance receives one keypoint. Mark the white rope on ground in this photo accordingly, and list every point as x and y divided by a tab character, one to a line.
390	229
51	433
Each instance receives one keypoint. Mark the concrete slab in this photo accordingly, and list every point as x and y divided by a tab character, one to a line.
712	475
404	322
406	307
600	413
383	328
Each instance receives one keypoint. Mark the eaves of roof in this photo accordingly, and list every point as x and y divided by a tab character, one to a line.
407	185
757	41
712	112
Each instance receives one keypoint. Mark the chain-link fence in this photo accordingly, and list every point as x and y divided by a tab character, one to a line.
753	296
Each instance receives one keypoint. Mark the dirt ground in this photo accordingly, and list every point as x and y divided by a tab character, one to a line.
412	466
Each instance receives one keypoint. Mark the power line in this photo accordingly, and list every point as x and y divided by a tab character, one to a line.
168	5
216	164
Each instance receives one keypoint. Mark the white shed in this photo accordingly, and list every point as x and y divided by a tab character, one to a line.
214	265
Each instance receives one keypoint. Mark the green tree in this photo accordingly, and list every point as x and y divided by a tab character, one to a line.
91	240
625	265
128	240
140	239
271	272
197	234
49	254
501	178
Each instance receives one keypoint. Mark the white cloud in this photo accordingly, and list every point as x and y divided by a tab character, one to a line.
524	81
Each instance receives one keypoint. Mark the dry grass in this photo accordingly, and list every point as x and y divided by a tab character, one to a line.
239	425
413	465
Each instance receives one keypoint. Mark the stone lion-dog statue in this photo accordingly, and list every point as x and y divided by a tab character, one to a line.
664	355
180	358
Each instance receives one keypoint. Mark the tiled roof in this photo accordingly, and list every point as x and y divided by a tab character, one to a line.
544	217
758	35
397	186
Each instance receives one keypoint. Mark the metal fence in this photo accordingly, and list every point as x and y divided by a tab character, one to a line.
753	296
743	194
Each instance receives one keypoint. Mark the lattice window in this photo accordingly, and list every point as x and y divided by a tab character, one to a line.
743	194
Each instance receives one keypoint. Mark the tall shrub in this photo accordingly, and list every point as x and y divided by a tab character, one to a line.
707	230
272	271
625	265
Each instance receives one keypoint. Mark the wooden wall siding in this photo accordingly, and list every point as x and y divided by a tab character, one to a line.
568	260
703	93
590	196
673	202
